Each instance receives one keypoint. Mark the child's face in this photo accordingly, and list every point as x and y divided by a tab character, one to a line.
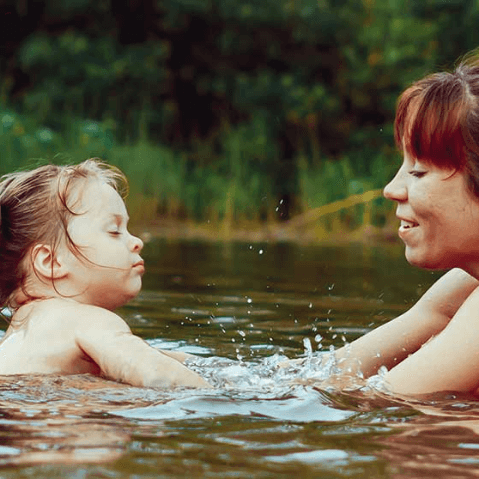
112	275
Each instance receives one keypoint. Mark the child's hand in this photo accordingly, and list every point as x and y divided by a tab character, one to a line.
175	375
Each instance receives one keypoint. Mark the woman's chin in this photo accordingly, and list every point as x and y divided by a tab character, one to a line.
425	261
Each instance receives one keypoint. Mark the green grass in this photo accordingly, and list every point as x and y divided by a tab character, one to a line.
227	187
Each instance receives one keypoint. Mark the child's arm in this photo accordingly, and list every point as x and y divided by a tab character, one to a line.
394	341
178	355
122	356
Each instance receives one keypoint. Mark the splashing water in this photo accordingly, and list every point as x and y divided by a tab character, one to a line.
273	387
275	373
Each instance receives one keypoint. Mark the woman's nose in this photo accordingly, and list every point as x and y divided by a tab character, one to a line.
396	189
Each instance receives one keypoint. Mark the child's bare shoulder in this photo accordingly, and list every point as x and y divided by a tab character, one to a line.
95	318
78	316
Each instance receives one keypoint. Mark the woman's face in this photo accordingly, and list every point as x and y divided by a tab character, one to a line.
439	216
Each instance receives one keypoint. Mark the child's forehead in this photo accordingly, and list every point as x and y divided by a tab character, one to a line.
99	197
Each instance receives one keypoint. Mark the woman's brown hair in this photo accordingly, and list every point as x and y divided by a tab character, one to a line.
437	120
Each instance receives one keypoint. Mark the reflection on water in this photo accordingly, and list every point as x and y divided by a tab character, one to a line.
242	308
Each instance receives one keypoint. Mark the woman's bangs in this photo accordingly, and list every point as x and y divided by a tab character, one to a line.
428	127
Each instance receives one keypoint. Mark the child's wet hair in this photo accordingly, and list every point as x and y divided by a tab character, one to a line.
36	207
437	120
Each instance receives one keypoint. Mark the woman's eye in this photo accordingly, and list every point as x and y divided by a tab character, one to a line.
417	173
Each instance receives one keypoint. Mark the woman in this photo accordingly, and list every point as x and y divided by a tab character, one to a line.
435	345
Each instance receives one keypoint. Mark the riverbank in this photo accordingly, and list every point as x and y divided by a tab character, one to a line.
276	233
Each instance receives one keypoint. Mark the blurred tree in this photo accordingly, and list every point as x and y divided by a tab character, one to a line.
293	82
456	26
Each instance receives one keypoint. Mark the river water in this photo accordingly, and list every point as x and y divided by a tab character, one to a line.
242	308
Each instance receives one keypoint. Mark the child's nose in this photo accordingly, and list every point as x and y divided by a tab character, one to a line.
137	244
396	189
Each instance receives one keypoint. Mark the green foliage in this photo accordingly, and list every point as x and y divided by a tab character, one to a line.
82	76
220	109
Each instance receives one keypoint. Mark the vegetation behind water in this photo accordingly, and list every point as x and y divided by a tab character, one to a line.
232	113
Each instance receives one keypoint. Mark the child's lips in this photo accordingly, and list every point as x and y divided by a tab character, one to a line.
140	266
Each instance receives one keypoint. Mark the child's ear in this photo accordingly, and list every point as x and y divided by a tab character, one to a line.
46	263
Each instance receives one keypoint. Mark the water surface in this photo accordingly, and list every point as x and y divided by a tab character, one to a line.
241	308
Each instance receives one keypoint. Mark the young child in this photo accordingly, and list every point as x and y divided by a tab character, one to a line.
67	261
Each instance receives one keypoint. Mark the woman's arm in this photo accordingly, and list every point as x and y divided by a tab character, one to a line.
122	356
393	342
448	362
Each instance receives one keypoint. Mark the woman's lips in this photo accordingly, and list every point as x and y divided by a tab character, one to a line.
406	228
405	224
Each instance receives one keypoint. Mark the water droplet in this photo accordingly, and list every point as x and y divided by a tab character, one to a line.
382	371
260	251
249	300
318	338
330	287
308	349
310	305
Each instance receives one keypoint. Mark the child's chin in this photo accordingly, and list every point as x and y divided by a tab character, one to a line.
134	294
121	300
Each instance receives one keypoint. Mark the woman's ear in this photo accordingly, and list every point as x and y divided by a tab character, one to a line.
46	264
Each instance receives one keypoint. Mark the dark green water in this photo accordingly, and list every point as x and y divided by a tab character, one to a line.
240	307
